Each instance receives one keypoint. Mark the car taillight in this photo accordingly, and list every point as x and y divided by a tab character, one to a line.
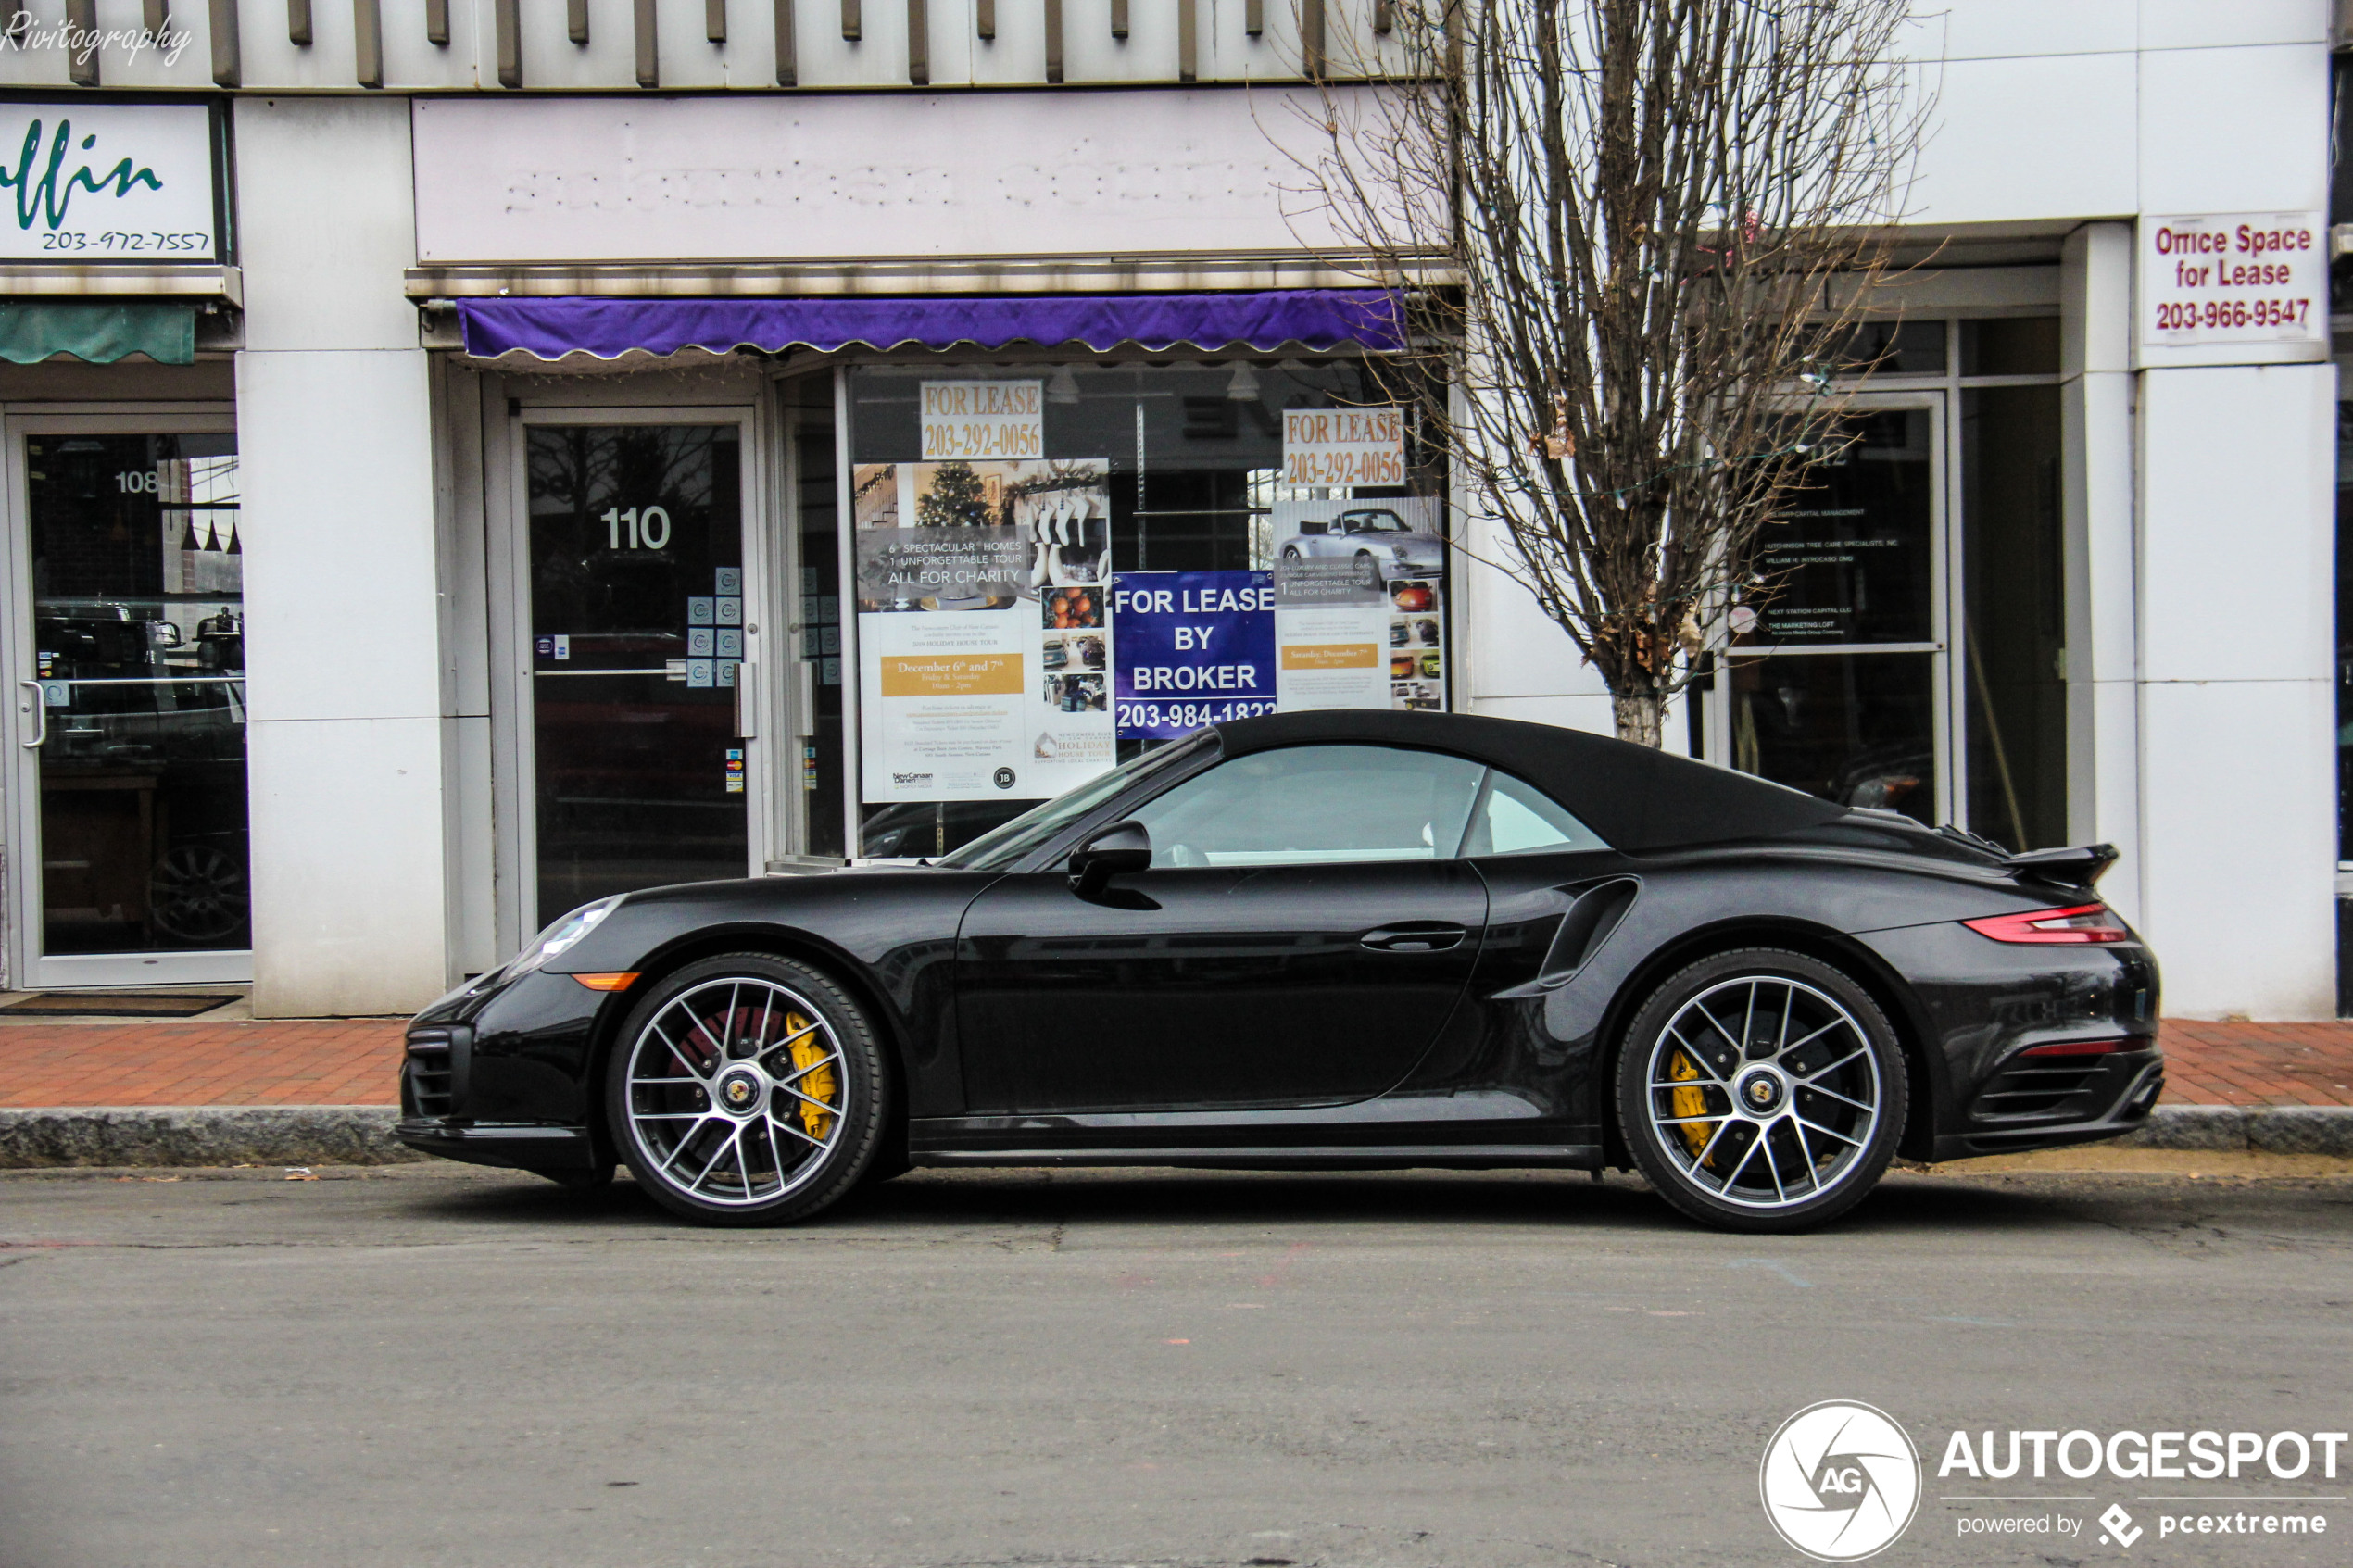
2085	923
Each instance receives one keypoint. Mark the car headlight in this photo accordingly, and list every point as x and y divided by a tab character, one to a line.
562	937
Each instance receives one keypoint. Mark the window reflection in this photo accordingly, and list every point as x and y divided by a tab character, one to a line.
138	574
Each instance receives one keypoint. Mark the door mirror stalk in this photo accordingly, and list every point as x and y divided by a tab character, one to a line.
1119	848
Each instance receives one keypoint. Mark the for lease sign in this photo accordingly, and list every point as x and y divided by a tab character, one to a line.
2233	277
982	420
1344	446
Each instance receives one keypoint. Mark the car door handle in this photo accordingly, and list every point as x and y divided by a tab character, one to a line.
1413	936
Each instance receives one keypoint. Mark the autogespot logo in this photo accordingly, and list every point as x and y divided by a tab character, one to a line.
1840	1481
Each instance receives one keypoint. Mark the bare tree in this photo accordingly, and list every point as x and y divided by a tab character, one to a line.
1662	219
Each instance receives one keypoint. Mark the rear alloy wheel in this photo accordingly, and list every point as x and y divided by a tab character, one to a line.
1761	1091
746	1091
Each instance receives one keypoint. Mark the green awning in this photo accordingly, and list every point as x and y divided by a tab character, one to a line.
98	333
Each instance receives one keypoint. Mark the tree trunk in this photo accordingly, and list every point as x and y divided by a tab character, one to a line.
1640	717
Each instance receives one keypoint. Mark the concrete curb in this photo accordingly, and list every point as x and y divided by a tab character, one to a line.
361	1134
2265	1129
201	1134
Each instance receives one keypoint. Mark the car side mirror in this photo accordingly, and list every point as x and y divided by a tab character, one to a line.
1119	848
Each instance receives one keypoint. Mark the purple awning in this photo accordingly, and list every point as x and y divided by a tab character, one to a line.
1315	319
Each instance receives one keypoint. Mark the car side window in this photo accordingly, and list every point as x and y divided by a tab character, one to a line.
1516	818
1313	805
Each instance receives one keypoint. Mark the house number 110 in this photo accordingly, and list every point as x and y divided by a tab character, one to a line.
649	528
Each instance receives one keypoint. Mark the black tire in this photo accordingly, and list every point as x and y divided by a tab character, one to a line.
891	1159
887	1169
1367	569
1761	1051
713	1068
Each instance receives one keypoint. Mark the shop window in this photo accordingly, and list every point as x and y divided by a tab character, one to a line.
1831	668
1895	348
2014	633
2344	703
2013	345
999	514
821	762
2344	633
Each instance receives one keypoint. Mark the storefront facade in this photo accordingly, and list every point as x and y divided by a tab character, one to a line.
609	462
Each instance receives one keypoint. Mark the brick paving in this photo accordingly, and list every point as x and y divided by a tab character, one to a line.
2258	1063
303	1061
353	1061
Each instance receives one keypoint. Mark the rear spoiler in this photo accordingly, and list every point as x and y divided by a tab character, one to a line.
2079	867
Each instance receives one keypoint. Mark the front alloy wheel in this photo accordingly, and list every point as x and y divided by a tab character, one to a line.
1761	1091
746	1091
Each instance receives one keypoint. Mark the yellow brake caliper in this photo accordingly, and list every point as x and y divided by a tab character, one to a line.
1688	1102
807	1051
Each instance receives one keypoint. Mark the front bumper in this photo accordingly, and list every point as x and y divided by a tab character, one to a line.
501	1075
521	1146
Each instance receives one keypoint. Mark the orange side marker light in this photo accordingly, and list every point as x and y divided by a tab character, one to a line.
608	982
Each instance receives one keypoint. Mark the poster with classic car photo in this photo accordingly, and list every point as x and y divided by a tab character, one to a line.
1389	537
1395	551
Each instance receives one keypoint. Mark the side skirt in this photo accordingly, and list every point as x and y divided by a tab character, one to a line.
1291	1157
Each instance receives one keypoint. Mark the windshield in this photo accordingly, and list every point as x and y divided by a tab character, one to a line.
1375	523
999	848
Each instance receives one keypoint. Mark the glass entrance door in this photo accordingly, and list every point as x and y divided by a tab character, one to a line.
1837	659
129	710
638	641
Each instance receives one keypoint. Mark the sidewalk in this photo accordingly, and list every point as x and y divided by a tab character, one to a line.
301	1061
203	1093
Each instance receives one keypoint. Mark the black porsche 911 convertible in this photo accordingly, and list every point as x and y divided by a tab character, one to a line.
1327	940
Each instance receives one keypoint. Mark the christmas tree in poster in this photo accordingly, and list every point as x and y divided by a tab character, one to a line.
953	499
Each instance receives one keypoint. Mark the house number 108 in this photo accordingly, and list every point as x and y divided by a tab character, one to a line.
649	528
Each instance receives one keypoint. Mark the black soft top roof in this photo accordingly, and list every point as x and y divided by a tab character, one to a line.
1634	796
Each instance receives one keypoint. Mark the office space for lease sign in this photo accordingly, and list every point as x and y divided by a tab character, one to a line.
2219	277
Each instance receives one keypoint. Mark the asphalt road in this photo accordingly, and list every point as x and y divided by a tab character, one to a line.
430	1365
